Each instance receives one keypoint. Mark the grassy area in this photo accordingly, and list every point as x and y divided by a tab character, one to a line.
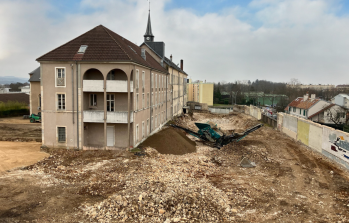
12	105
222	105
13	108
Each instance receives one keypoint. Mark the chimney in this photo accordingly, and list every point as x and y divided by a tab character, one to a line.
312	96
171	57
143	54
181	64
205	81
306	96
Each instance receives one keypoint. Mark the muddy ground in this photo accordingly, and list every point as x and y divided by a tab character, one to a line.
289	184
19	129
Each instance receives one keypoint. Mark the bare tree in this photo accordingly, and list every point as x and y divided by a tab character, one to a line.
294	81
336	115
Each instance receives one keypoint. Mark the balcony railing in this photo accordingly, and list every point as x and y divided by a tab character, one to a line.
93	85
112	117
112	86
118	117
94	116
118	86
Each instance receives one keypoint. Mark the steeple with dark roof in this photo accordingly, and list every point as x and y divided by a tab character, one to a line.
148	36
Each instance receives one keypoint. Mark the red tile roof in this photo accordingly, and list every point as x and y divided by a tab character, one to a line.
300	103
103	46
322	110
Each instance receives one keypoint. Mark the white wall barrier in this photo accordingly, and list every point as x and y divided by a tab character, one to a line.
220	110
332	143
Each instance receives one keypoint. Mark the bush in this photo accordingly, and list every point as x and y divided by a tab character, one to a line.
13	108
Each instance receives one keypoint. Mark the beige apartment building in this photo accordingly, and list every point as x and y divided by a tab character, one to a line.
35	91
201	92
101	91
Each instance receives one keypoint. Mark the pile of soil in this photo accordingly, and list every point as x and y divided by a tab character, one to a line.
170	141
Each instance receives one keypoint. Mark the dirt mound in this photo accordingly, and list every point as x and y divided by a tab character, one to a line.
170	141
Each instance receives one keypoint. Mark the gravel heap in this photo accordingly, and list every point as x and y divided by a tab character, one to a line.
168	191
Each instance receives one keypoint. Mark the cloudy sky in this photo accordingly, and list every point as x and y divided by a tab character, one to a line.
219	40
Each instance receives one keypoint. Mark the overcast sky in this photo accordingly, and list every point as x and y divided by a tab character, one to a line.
219	40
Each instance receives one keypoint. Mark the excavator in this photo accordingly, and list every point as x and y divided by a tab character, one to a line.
213	138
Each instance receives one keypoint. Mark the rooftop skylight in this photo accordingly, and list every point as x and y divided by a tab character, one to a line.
82	49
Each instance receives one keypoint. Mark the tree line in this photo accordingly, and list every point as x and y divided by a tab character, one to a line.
228	92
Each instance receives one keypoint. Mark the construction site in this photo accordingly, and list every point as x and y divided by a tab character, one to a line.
173	176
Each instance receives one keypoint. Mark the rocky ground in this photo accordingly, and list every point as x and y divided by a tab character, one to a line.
289	184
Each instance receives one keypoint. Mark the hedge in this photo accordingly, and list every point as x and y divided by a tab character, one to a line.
13	108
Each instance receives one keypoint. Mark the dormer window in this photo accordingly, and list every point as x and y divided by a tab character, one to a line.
82	49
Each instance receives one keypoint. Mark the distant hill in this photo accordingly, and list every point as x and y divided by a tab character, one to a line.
10	79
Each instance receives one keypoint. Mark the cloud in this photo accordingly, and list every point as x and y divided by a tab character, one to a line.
302	39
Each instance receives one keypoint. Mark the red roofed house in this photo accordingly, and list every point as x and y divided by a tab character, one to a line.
101	91
316	110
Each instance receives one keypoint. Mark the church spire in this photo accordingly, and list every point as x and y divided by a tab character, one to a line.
148	36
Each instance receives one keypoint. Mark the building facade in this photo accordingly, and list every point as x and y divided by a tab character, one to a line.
341	100
200	91
101	91
35	91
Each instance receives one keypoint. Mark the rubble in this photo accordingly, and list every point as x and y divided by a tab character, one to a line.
288	184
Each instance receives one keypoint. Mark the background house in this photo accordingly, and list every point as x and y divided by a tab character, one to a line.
35	91
341	100
305	106
200	92
330	114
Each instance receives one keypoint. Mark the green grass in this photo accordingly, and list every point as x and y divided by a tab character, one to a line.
12	105
222	105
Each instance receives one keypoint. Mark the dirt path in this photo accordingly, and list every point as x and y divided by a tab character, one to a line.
289	184
19	129
19	154
17	120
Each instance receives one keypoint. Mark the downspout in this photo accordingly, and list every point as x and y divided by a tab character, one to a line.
77	104
172	94
72	86
166	95
151	105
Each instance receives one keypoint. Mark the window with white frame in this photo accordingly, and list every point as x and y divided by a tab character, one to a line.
136	102
143	101
142	130
60	77
148	126
93	100
156	81
152	81
152	123
294	109
60	101
137	79
137	133
156	119
148	100
155	98
61	134
110	102
143	80
39	101
152	99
